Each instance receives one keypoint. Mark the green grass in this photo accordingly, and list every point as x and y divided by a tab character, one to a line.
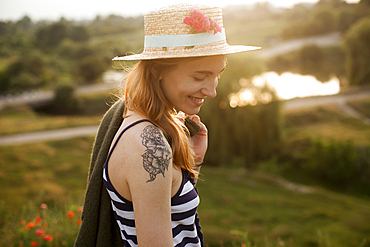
260	204
327	123
362	106
23	119
53	221
44	172
231	199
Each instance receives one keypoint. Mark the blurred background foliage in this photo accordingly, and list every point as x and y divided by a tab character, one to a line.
252	140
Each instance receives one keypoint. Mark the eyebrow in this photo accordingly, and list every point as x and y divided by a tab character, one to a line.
207	72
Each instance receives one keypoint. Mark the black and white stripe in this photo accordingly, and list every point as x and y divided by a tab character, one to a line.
183	214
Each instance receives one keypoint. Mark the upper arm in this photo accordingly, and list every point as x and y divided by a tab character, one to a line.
149	179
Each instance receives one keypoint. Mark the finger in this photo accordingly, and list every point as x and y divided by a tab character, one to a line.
203	129
181	114
195	118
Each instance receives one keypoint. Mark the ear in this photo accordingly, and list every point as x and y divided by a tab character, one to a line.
155	73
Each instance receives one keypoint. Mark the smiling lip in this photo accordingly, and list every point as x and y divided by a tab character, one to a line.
197	101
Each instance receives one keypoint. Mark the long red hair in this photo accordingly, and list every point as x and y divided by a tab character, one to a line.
143	94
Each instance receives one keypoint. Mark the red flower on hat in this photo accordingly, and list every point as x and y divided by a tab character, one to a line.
201	23
215	26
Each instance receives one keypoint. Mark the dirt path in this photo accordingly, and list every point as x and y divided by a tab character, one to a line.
339	99
48	135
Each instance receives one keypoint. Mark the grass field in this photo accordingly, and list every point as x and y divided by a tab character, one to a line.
362	106
269	209
24	120
327	123
235	200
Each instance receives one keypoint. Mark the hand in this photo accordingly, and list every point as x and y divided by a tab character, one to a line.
200	140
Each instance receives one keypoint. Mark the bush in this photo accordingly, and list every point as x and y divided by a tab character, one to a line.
357	45
334	162
310	58
242	135
29	71
24	80
90	68
4	81
65	101
338	163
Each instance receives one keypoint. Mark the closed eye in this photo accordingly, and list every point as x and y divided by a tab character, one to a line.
199	78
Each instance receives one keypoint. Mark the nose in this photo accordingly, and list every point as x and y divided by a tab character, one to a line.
209	88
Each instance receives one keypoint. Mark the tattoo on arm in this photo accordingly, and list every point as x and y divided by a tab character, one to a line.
157	155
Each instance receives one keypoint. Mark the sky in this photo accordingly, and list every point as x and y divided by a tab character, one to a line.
87	10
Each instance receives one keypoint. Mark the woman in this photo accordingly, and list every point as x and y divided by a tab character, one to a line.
154	154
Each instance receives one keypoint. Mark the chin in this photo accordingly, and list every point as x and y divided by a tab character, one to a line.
191	111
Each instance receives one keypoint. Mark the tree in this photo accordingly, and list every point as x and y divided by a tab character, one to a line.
27	72
365	2
80	34
52	35
4	28
325	20
331	3
90	68
357	46
25	23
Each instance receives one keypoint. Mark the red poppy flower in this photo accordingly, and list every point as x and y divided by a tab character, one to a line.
38	220
79	222
39	232
44	206
30	225
70	214
48	238
34	243
45	225
79	209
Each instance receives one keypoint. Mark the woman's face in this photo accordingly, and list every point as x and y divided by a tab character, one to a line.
189	83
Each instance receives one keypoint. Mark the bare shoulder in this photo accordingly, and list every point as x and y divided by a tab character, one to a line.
143	150
157	155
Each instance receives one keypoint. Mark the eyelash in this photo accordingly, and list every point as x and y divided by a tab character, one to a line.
202	79
198	79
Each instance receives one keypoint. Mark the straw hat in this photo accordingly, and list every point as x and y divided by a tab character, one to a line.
185	30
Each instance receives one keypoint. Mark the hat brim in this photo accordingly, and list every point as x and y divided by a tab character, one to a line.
197	51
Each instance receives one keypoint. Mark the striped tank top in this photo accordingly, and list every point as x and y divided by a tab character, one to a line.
185	222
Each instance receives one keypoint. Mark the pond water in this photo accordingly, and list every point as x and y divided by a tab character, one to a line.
286	86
